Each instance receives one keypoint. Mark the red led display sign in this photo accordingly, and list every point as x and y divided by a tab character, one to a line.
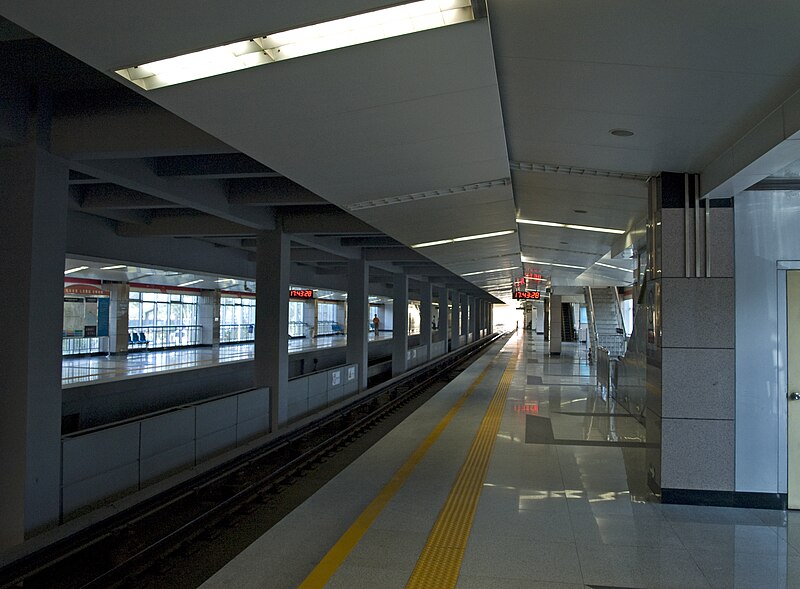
301	294
528	294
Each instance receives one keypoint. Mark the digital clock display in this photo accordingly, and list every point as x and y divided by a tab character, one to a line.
301	294
528	294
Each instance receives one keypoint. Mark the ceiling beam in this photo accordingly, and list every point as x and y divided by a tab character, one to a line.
306	254
111	196
323	220
214	165
370	241
207	196
393	254
184	226
270	192
120	124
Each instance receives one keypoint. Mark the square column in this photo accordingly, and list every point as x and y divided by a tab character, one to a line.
400	324
118	317
465	299
271	363
444	317
357	318
425	328
555	324
208	316
455	318
473	318
32	252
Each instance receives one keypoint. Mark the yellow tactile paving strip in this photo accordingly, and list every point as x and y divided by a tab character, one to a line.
439	564
331	562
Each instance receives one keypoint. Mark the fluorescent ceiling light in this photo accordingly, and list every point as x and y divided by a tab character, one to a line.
467	238
190	282
488	271
598	229
78	269
545	223
344	32
569	226
529	261
612	267
225	280
117	267
536	279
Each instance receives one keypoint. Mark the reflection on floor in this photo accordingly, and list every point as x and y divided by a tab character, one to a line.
80	371
562	504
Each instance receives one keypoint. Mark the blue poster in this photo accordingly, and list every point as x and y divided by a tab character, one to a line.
102	316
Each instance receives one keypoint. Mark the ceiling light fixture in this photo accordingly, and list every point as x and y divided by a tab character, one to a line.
487	271
621	132
467	238
393	200
78	269
570	226
530	261
117	267
612	267
225	280
575	171
190	282
344	32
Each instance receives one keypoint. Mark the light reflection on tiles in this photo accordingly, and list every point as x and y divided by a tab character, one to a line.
79	371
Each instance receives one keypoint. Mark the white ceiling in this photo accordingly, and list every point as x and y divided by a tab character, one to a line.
539	82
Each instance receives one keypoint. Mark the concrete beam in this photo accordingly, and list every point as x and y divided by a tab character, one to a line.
111	196
328	220
212	166
394	254
184	226
270	192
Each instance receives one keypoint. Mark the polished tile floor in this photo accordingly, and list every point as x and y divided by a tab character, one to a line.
562	505
94	369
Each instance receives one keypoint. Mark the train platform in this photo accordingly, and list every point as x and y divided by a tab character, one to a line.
517	474
79	371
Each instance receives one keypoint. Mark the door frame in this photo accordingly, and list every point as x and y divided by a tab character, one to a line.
783	375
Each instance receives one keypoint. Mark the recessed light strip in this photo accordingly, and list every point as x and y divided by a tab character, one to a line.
575	171
116	267
190	282
393	200
488	271
344	32
467	238
77	269
570	226
529	261
612	267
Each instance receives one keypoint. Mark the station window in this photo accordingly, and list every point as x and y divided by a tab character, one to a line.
163	320
237	319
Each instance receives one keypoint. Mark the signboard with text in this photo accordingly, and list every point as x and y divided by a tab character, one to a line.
534	295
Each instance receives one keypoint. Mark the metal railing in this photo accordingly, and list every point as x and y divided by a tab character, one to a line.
592	324
167	336
74	346
329	328
299	329
237	332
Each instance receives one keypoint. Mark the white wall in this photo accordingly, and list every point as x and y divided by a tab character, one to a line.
766	229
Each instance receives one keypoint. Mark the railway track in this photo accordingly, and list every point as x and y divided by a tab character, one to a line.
223	510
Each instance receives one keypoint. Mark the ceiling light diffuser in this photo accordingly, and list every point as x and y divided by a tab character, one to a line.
117	267
78	269
570	226
190	282
344	32
467	238
488	271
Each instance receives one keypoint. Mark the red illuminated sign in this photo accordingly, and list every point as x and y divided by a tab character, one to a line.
528	294
301	294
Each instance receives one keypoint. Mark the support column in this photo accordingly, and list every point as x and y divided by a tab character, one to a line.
118	317
400	324
32	252
444	317
555	323
208	317
690	397
358	318
271	363
425	328
455	320
473	318
464	317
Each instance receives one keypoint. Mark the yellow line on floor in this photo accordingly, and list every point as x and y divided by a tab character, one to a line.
331	562
439	564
